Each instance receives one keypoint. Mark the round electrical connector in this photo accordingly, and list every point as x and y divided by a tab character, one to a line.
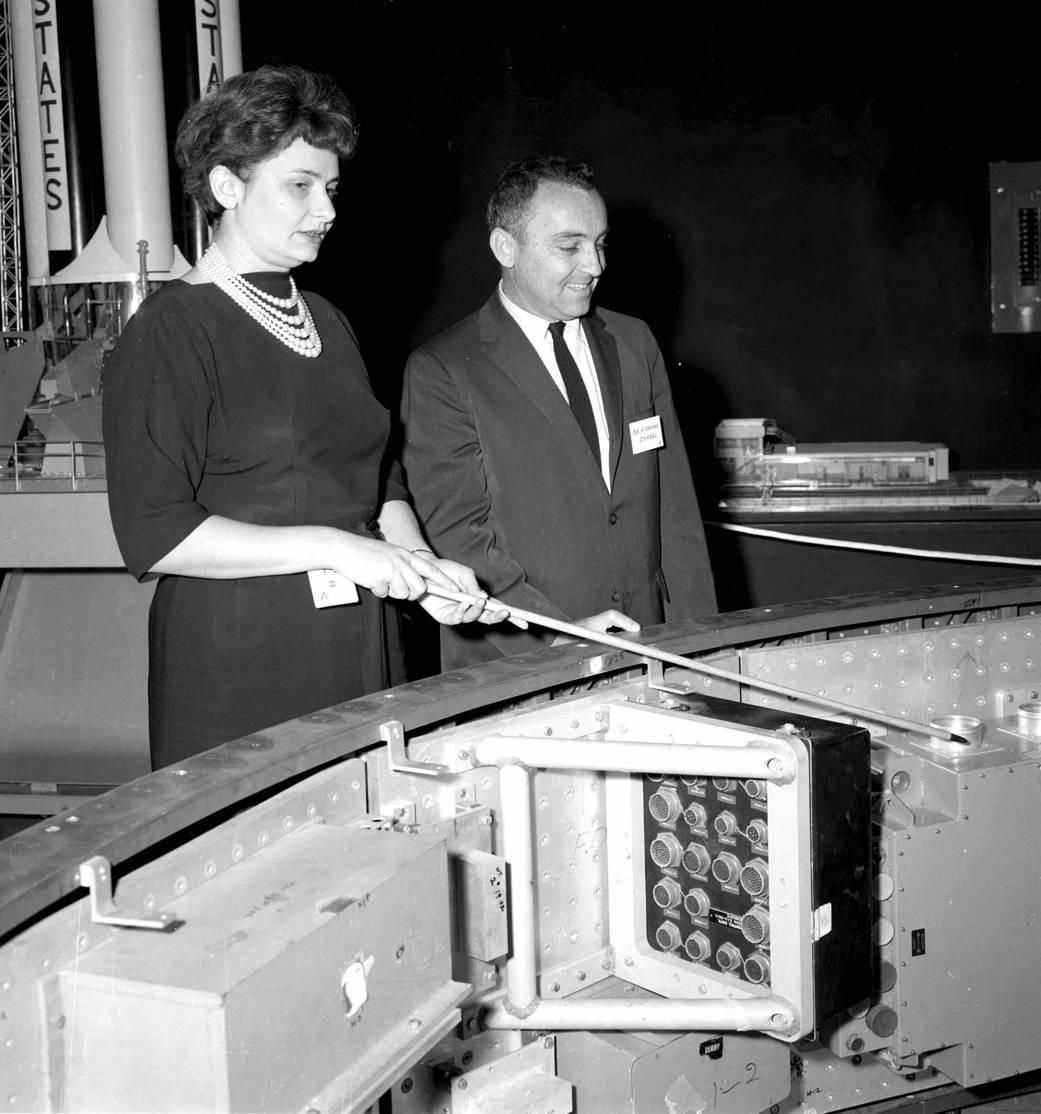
667	893
666	850
757	968
725	824
756	789
883	886
697	946
886	976
664	805
696	859
755	878
726	868
697	903
755	925
728	958
882	1020
695	815
725	784
883	931
757	833
668	936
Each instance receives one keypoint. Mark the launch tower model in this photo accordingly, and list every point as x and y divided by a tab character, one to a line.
72	620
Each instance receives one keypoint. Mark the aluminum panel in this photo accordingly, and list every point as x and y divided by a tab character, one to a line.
629	1073
284	972
966	910
913	674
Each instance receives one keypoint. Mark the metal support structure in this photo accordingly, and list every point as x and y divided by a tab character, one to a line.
12	295
96	875
522	1007
393	734
37	874
636	756
766	1015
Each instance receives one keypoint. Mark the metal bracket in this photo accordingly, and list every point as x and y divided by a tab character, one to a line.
656	679
393	734
96	875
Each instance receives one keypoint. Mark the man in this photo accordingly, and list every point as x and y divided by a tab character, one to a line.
550	459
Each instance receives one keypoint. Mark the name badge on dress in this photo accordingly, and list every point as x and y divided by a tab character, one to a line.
330	589
646	435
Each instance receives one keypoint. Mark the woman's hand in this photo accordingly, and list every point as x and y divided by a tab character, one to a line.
386	570
390	571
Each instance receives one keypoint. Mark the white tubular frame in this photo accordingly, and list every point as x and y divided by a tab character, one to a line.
761	759
748	754
648	1015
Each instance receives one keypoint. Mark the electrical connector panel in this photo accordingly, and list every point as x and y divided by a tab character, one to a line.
747	886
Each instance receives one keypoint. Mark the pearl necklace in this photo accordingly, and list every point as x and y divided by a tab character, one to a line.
296	329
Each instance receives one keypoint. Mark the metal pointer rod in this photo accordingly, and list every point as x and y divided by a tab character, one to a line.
587	635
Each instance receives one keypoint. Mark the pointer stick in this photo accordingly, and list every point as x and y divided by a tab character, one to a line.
587	635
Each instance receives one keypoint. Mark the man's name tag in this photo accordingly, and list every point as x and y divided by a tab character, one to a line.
330	589
646	434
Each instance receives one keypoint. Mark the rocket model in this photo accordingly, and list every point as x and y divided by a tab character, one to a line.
129	248
134	238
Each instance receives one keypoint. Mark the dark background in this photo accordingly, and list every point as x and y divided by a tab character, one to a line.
801	213
800	210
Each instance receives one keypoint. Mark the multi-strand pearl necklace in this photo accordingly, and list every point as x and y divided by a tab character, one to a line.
295	329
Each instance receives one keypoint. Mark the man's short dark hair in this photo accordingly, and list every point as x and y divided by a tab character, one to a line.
519	182
256	115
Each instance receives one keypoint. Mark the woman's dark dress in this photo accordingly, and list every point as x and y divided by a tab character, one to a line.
205	412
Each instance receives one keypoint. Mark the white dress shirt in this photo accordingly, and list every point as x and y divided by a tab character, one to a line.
536	329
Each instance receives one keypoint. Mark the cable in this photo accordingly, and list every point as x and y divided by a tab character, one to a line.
877	547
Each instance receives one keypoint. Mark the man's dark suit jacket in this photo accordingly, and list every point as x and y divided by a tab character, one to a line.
503	480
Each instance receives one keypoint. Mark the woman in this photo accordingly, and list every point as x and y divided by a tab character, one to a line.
246	449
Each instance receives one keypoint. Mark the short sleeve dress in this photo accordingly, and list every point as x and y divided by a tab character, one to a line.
205	412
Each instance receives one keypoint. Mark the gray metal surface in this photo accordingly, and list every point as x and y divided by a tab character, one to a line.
298	861
35	865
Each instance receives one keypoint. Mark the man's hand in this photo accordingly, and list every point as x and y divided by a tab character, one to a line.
603	621
451	574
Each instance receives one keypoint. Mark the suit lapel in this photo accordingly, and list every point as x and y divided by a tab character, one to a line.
609	369
508	347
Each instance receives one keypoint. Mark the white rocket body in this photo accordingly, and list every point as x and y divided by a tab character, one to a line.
137	226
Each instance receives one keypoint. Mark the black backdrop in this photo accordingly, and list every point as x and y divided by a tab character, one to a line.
801	213
800	209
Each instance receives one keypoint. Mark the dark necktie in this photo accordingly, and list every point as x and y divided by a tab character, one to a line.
577	394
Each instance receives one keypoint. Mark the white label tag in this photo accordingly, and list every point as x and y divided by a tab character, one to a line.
330	589
822	921
646	435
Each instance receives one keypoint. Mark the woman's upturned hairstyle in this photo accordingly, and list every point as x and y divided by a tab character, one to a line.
252	117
